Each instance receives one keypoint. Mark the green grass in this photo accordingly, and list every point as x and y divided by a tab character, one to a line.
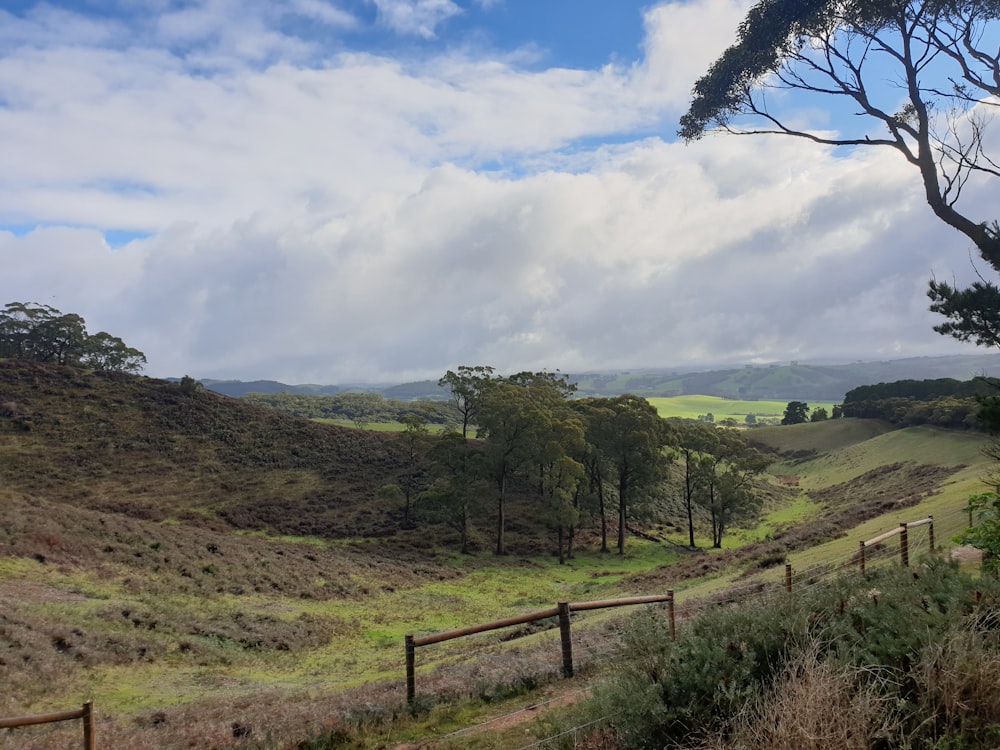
691	407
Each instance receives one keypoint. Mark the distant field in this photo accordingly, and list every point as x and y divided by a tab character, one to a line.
691	407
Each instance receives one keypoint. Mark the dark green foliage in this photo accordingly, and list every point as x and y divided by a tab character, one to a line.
668	692
796	412
41	333
771	31
918	390
950	413
973	314
984	533
942	402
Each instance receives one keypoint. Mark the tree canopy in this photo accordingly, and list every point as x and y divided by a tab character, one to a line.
796	412
44	334
921	76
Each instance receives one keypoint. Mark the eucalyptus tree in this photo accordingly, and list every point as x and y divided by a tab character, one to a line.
528	428
44	334
726	470
628	440
456	468
414	438
921	77
694	440
468	385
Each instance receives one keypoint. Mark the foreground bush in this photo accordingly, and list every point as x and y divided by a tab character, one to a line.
900	658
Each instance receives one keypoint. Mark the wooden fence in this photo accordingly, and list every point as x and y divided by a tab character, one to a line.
86	713
563	610
904	543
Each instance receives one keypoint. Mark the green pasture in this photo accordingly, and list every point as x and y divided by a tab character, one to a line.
691	407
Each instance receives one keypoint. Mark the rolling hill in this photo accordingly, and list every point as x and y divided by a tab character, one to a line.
773	382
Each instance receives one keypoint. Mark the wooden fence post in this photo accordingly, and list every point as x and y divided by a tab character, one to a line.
88	726
411	680
670	614
788	577
904	546
861	554
567	641
930	533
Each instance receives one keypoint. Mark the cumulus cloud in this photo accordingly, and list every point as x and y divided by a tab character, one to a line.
354	216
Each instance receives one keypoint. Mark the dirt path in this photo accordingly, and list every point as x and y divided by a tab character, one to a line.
507	721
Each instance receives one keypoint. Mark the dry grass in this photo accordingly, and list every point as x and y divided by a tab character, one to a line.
816	705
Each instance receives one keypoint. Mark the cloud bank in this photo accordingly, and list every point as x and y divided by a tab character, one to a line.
300	209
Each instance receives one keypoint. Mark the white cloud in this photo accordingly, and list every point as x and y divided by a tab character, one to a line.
324	221
416	17
324	12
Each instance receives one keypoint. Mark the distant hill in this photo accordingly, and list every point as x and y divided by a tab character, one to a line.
788	382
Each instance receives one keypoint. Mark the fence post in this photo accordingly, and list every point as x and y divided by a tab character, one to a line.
788	577
930	533
88	726
567	641
861	553
670	613
904	546
411	680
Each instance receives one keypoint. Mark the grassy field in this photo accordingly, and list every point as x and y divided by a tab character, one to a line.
691	407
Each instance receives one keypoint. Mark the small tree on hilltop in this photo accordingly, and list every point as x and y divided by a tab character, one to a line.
796	412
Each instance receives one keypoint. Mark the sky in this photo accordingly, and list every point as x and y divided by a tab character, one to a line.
343	191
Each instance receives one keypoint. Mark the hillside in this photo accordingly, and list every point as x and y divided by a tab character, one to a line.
148	449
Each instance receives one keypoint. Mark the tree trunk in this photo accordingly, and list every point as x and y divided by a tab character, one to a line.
622	508
604	517
689	498
501	487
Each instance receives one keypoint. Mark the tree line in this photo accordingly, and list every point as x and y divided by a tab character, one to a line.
42	333
941	402
596	462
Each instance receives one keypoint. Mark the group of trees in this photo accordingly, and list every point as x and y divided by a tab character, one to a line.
797	412
44	334
942	402
599	460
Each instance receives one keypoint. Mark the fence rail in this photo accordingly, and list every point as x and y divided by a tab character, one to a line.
902	531
86	713
563	610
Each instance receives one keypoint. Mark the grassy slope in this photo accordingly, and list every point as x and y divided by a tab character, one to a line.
127	574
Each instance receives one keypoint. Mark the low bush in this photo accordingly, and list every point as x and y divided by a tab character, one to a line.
902	657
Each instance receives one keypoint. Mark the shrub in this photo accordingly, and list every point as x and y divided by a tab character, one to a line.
866	639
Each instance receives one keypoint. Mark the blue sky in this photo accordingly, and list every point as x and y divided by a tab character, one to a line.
347	190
